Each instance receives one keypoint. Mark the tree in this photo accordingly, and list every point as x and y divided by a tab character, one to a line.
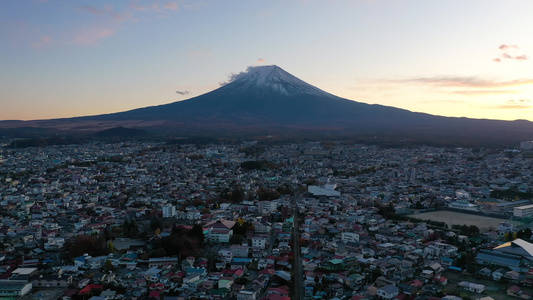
111	246
94	245
527	233
376	273
108	265
251	165
237	194
130	228
285	189
236	239
155	224
107	234
197	232
241	280
267	194
387	211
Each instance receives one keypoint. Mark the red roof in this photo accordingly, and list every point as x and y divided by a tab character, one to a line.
239	272
89	288
267	272
228	271
276	297
416	283
278	291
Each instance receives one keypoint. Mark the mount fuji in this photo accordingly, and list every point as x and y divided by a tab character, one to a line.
266	100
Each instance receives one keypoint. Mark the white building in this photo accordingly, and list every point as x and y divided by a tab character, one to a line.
239	251
225	255
152	274
270	206
462	194
349	237
194	215
248	294
504	227
523	211
464	205
169	211
96	262
259	242
473	287
323	191
220	235
54	243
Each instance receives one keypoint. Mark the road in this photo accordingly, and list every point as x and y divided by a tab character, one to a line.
297	273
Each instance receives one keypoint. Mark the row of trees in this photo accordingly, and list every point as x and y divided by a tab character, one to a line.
468	230
520	234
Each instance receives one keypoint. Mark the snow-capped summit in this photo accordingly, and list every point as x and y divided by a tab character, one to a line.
268	100
272	79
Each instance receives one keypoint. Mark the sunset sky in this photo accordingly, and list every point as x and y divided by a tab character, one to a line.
64	58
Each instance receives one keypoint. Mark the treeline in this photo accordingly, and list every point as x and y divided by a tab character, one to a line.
468	230
252	151
43	142
259	165
511	194
354	172
520	234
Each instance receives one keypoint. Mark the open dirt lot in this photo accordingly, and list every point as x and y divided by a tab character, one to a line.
450	217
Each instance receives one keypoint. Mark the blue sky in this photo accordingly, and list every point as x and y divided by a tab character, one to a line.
62	58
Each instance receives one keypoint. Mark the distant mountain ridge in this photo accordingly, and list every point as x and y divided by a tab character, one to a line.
268	100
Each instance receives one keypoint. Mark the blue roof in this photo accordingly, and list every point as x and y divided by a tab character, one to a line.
193	270
129	256
242	260
498	258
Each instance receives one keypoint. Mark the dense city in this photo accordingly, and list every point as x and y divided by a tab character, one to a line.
265	220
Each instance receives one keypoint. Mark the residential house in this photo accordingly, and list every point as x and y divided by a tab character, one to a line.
388	292
485	272
473	287
54	280
248	294
349	237
239	250
226	255
162	262
14	289
512	276
498	274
